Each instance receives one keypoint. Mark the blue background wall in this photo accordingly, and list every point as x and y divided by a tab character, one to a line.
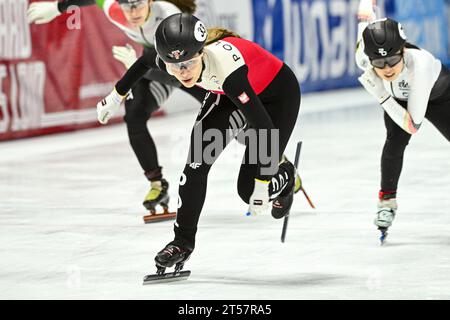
317	37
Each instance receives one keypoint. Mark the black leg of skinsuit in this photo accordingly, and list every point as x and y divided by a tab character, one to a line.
193	181
438	113
439	116
392	157
137	112
282	100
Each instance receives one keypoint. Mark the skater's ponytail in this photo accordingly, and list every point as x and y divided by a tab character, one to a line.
411	46
216	34
186	6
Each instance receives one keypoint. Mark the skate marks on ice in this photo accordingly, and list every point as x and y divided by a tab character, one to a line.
85	237
329	269
295	280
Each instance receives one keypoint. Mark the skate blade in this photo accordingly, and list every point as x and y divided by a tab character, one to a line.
384	235
157	217
383	239
166	277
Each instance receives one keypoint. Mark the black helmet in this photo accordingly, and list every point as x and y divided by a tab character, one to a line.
179	37
383	38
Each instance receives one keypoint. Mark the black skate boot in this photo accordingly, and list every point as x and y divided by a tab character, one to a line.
283	203
172	255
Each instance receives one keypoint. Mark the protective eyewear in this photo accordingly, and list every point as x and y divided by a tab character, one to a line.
135	5
188	65
391	61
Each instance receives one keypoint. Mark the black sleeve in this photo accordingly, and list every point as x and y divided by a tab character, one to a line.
238	89
64	4
149	60
237	85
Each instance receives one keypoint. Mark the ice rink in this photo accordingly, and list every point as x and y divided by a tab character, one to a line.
71	216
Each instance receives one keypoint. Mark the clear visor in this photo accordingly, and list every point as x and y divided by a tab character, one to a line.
188	65
390	61
135	5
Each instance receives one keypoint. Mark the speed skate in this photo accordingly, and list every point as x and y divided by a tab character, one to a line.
162	200
168	257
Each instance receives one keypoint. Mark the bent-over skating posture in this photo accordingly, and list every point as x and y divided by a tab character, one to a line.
410	84
138	19
248	86
251	94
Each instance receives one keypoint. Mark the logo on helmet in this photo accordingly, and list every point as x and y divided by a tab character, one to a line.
382	52
176	54
200	32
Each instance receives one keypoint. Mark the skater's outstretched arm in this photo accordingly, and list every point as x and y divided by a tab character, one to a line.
149	61
63	5
366	14
46	11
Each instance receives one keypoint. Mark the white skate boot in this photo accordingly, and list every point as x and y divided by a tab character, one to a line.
386	213
387	209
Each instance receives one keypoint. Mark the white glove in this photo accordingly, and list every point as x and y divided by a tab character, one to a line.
42	12
366	11
109	106
374	85
362	61
126	55
259	201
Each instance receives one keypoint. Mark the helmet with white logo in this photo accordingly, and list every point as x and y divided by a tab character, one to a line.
179	37
383	38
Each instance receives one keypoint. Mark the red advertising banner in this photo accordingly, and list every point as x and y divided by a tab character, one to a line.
52	75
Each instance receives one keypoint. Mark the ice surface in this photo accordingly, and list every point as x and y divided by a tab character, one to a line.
71	217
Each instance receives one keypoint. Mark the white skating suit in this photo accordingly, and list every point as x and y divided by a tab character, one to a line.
415	84
144	34
422	90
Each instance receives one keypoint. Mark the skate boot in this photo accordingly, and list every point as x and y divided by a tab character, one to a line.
386	213
298	180
299	184
172	255
387	208
158	195
283	202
